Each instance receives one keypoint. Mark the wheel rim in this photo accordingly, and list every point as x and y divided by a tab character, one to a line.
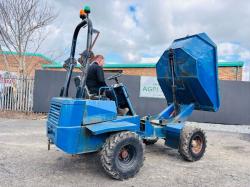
197	144
126	155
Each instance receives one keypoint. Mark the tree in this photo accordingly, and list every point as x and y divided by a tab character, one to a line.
6	65
22	27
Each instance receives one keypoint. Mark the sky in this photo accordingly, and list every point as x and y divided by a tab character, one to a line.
136	31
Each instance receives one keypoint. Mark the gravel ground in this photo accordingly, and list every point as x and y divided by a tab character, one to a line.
245	129
22	115
25	161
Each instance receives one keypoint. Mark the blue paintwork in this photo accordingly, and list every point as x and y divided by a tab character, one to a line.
79	126
72	112
70	120
165	114
167	127
96	111
172	132
111	126
185	112
195	61
168	131
76	140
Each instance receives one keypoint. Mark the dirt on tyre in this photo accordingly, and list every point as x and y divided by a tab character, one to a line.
193	143
122	155
150	141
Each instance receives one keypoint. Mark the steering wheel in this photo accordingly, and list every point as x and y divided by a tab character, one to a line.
114	77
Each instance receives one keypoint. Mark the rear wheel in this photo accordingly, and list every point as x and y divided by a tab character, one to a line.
122	155
192	143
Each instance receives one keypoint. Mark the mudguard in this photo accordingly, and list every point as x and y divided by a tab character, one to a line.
105	127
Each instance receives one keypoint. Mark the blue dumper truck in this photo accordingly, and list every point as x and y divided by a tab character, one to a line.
188	77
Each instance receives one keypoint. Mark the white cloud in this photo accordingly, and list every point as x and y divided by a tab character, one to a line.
149	59
157	24
225	49
132	57
232	51
244	54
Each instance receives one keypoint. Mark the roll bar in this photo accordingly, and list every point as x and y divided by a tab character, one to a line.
71	62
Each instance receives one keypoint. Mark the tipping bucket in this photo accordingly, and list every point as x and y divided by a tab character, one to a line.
196	72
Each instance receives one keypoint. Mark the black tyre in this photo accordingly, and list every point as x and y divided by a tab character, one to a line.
192	143
122	155
150	141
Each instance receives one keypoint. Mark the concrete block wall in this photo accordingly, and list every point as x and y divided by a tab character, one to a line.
234	95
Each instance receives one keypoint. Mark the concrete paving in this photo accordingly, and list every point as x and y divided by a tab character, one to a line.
25	161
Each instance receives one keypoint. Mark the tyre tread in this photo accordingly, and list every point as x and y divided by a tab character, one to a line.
106	154
186	134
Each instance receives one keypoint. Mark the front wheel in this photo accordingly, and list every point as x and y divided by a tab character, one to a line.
192	143
122	155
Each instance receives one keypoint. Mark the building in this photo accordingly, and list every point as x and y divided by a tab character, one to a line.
33	61
230	70
227	70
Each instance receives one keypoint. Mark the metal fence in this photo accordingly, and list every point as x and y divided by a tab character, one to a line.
16	94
